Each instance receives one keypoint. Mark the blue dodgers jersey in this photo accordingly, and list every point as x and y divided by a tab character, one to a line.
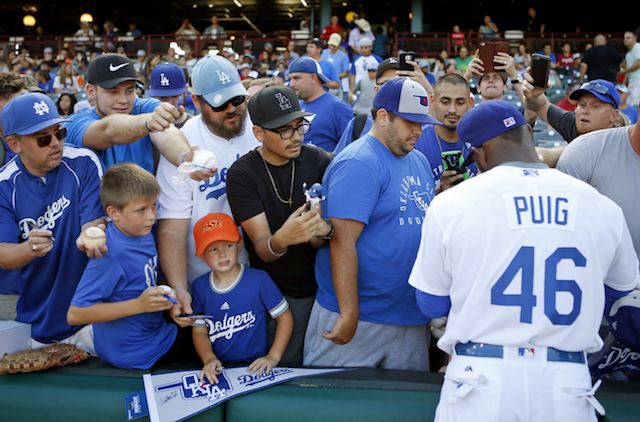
62	201
331	118
390	195
129	267
139	152
432	147
239	331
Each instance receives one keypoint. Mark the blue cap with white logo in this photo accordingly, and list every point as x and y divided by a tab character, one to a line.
29	113
217	80
308	65
405	98
167	80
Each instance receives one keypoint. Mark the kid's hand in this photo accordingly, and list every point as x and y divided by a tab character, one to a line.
263	364
153	299
211	368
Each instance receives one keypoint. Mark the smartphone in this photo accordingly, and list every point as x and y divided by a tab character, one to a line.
453	160
407	55
486	51
540	67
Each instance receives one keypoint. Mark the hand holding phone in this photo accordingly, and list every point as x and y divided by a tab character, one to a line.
540	67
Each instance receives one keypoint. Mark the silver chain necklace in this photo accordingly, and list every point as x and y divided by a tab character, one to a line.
288	202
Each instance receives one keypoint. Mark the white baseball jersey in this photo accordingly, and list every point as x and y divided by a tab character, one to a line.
523	252
193	200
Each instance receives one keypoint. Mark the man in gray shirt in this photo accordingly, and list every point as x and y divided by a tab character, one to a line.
609	160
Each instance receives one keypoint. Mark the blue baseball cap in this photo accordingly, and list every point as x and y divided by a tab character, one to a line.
308	65
167	80
486	121
217	80
29	113
405	98
624	320
604	90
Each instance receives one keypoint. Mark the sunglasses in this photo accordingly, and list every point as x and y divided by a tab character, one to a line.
600	89
235	101
45	140
288	132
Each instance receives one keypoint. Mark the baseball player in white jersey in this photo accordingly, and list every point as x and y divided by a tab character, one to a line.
519	258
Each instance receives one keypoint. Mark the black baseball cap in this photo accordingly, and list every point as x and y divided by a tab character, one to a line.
110	69
388	63
275	106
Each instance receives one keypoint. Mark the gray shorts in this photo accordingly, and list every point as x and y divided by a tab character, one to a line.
373	346
8	307
300	310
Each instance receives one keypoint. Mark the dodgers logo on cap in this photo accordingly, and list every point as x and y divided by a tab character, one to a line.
275	106
167	80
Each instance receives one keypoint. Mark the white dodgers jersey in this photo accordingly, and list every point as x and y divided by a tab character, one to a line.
523	253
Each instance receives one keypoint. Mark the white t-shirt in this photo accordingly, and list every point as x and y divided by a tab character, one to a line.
523	252
631	57
193	200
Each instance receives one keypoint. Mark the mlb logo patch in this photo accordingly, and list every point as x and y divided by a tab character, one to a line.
509	121
526	352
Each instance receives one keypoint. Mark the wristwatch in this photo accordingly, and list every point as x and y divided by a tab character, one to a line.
328	236
517	80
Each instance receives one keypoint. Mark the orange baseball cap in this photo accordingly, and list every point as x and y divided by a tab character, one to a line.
214	227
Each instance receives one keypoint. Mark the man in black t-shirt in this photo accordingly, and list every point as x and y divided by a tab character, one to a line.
600	61
265	192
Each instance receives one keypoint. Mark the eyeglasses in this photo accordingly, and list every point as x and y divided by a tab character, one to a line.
235	101
288	132
45	140
600	89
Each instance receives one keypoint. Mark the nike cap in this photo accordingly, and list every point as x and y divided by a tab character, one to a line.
110	69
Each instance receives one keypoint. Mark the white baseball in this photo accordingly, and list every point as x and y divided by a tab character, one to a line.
205	159
94	236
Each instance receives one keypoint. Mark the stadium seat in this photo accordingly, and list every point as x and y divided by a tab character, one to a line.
548	138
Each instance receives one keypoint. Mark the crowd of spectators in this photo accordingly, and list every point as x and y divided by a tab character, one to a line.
202	98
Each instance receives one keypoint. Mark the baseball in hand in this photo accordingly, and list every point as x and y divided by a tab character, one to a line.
205	159
94	236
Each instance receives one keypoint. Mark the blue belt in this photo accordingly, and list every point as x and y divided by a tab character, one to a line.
493	351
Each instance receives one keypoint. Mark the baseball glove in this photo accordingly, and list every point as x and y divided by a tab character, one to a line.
30	360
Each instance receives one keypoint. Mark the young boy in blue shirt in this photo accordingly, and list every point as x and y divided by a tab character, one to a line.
237	301
118	294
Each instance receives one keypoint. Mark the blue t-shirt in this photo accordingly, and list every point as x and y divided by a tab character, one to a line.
380	45
62	201
432	147
139	152
331	117
390	195
632	114
347	135
238	331
340	60
47	86
129	267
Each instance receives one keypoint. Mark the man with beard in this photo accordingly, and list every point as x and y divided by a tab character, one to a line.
266	194
378	190
440	143
223	128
